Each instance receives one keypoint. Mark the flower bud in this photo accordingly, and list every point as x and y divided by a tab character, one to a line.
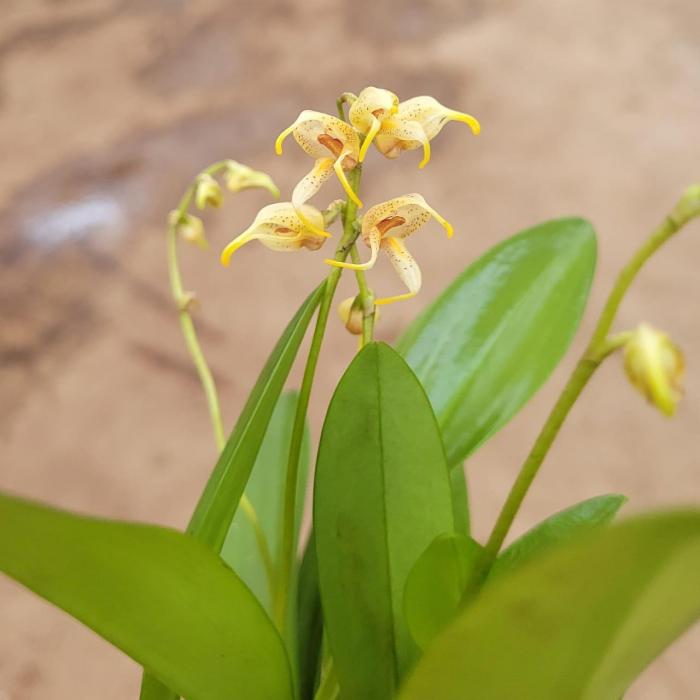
240	177
332	212
351	314
655	366
189	228
688	206
207	192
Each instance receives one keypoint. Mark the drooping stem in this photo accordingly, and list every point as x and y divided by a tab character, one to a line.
183	301
288	553
152	689
600	346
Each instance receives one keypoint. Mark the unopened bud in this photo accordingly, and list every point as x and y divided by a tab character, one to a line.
688	206
352	314
207	192
240	177
188	301
655	366
189	228
332	212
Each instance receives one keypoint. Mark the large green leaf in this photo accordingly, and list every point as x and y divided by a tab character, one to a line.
382	494
493	337
560	527
578	623
219	501
265	489
436	583
160	596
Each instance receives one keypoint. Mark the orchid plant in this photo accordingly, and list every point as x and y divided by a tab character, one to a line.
390	596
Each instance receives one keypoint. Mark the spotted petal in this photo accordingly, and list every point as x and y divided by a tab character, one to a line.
280	227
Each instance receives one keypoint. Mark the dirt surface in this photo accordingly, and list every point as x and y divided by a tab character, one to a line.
108	108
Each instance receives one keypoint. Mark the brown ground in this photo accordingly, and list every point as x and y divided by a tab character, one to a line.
108	107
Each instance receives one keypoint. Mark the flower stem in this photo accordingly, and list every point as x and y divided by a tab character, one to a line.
284	581
600	346
152	689
369	312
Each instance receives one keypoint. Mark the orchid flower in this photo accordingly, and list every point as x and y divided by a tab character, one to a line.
335	146
410	125
369	111
280	227
384	227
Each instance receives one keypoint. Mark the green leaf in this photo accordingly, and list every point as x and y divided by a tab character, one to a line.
265	490
460	500
157	594
310	622
435	585
382	494
219	501
484	347
558	528
581	621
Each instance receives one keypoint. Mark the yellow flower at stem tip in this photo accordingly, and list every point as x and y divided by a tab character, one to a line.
412	124
655	366
335	146
384	227
280	227
369	111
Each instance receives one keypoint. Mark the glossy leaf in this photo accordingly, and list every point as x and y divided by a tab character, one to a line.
435	585
382	494
484	347
265	489
157	594
581	621
558	528
219	501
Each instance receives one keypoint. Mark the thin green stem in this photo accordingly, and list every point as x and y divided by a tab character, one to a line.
600	346
369	310
284	581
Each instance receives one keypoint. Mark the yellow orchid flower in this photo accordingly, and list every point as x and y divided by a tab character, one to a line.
655	366
335	146
369	111
384	227
280	227
413	124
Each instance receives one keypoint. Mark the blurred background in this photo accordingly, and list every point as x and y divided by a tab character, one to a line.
109	107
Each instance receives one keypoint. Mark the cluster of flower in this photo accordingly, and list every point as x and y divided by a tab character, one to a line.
375	117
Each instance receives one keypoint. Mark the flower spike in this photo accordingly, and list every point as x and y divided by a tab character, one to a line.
280	227
385	227
334	145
